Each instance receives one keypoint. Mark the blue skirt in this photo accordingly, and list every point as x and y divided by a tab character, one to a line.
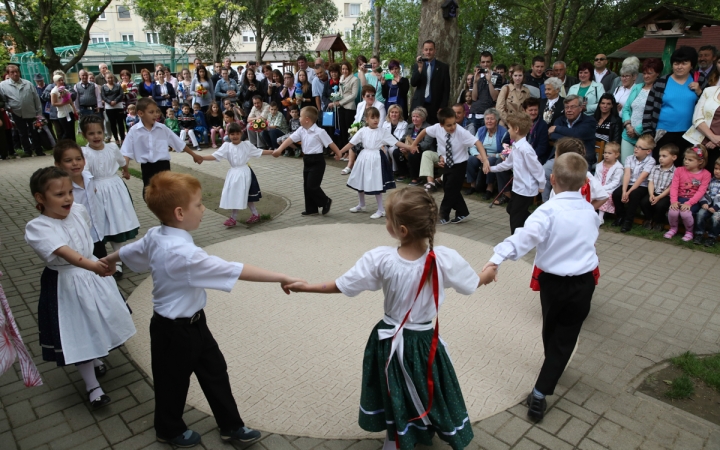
254	195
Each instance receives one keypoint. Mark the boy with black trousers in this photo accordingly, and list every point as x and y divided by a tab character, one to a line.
180	341
314	140
656	203
452	147
565	272
528	173
633	189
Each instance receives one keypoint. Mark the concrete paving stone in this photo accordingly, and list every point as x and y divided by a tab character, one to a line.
193	415
138	441
589	444
547	440
305	443
20	413
115	407
599	402
368	444
28	429
78	416
513	430
138	411
333	444
625	404
626	440
664	432
688	440
4	425
554	420
17	392
78	438
205	425
574	431
275	441
492	423
9	377
604	431
114	429
142	391
526	444
7	441
51	396
55	378
141	424
47	435
59	405
690	423
579	393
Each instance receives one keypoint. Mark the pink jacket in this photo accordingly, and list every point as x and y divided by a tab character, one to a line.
689	185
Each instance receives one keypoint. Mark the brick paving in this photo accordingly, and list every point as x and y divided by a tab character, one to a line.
654	301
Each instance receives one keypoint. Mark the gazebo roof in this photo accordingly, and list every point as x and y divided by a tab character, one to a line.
669	12
331	42
653	48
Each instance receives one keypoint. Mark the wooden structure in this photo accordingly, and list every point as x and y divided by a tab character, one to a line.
672	22
331	43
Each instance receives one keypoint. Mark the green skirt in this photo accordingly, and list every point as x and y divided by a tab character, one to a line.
121	237
379	412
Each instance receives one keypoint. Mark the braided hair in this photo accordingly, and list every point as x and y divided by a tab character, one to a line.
415	209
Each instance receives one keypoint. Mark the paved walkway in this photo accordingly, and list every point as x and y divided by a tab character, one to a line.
654	301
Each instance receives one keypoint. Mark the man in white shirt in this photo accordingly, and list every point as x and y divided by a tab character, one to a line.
602	74
565	272
303	65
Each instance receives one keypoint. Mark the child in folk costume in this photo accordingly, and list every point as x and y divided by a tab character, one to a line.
81	314
180	341
413	278
103	161
241	189
566	269
69	157
372	173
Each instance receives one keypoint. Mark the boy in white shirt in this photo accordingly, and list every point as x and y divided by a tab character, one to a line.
314	140
180	341
593	191
452	148
566	269
528	173
147	142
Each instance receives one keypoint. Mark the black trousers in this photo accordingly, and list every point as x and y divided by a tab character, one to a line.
626	211
453	179
657	212
116	117
99	250
432	115
24	128
67	128
519	209
313	172
565	305
177	351
149	169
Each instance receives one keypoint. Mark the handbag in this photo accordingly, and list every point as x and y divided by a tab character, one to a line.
328	119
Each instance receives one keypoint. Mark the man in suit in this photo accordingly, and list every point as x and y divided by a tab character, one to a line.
560	69
431	80
602	74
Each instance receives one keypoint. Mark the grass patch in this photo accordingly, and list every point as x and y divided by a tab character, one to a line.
706	369
134	172
265	217
681	387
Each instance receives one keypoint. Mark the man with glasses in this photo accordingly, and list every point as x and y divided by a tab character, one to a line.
602	74
573	124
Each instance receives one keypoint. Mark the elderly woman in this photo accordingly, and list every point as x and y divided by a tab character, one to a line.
552	106
632	112
491	135
512	96
609	124
346	106
61	98
410	163
396	124
630	62
705	127
395	90
628	75
671	102
588	89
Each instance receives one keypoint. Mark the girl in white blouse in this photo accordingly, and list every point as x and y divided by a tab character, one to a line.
413	277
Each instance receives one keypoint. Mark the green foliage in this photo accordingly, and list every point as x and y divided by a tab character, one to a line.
4	57
681	387
65	29
707	369
173	18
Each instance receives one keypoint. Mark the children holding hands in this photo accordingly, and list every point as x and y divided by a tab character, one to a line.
656	204
688	187
180	341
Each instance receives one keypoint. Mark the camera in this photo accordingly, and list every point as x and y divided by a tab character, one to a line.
368	66
424	59
480	69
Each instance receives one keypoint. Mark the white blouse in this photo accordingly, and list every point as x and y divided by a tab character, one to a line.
373	139
400	130
103	163
399	279
237	155
45	235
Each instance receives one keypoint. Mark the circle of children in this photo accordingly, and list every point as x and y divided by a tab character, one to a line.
409	386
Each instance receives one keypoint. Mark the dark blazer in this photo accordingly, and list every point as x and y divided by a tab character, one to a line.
439	89
157	94
538	138
583	129
558	109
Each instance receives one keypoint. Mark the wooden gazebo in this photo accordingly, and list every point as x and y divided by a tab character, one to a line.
331	43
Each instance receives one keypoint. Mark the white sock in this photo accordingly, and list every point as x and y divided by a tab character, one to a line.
361	197
117	246
87	372
601	214
253	209
388	445
379	200
97	363
234	214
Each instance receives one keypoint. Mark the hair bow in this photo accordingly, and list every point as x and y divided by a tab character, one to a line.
698	152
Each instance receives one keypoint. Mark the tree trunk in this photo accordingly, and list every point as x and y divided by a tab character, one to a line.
549	31
376	43
569	29
468	67
445	33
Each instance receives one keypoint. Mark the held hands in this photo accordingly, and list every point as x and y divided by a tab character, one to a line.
441	161
289	282
297	286
101	268
278	152
625	197
126	173
653	199
684	207
675	206
488	273
198	159
486	166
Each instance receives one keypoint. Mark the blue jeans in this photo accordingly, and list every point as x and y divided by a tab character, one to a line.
270	136
701	218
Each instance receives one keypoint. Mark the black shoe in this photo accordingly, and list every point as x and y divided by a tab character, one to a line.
626	226
536	408
617	222
100	370
118	275
487	195
242	434
698	239
658	227
186	440
458	219
100	401
647	225
326	208
469	191
710	241
310	213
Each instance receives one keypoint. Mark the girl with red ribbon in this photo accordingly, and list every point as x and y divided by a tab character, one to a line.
409	386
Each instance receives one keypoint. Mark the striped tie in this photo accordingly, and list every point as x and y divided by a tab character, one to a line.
448	150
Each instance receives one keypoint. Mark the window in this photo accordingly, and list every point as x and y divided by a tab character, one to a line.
351	33
352	9
152	38
127	37
248	36
308	37
123	13
99	38
102	16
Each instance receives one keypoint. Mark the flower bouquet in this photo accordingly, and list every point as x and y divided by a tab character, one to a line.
39	124
125	87
258	125
64	94
288	102
354	128
201	91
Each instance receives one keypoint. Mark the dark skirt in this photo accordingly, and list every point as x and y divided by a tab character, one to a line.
121	237
388	176
380	412
254	195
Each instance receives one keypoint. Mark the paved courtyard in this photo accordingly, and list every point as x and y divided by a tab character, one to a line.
654	301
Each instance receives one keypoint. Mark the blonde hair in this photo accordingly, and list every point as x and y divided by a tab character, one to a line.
702	157
310	112
521	121
569	145
392	108
648	138
613	147
570	171
416	210
169	190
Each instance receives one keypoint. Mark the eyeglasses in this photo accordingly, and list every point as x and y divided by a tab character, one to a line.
643	148
600	59
625	76
572	106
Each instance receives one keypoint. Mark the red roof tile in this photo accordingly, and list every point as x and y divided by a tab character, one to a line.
653	47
